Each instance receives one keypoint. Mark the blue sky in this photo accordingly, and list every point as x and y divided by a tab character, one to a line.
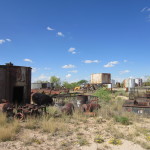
72	39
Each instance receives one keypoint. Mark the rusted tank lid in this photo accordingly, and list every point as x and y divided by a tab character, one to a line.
9	64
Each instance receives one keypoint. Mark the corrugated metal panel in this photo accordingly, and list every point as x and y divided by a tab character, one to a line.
2	83
36	85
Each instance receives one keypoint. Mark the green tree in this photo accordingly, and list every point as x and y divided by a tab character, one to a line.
66	85
70	85
82	82
55	80
148	78
147	81
103	94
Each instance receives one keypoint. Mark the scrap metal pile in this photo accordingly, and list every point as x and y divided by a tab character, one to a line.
138	103
66	103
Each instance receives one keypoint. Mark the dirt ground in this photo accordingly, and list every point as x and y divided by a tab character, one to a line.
79	136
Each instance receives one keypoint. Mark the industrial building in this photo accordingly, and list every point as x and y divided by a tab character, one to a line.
42	85
15	83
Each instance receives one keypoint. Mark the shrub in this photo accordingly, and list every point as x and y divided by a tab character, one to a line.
122	120
98	139
148	138
82	142
115	141
53	111
103	94
34	139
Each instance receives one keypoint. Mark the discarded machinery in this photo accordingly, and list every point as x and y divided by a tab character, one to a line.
7	108
68	109
138	106
139	101
30	110
42	99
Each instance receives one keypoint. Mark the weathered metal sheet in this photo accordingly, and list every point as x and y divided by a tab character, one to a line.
140	106
13	78
101	78
2	83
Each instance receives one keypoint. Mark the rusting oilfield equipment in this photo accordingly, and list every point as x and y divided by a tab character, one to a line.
139	101
18	101
15	83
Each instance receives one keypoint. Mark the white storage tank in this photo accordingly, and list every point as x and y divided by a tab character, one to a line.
109	86
131	83
113	82
138	82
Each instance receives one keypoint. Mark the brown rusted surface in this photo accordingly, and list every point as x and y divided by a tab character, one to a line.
29	110
90	107
68	109
48	91
137	103
15	80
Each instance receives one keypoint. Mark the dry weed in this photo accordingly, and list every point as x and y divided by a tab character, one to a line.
9	131
53	125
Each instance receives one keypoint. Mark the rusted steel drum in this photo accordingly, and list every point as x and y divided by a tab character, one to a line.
5	107
68	109
90	107
82	99
42	99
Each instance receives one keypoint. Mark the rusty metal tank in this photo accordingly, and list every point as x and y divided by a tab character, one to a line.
42	99
82	99
15	83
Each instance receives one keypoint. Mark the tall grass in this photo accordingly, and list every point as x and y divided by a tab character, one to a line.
8	130
114	108
52	125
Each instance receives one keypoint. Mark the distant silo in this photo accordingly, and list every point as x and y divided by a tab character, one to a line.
138	82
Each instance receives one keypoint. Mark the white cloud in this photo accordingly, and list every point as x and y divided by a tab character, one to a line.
2	41
28	60
68	75
8	40
73	71
145	9
68	66
125	61
42	77
49	29
34	69
91	61
124	71
111	64
72	50
47	68
60	34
